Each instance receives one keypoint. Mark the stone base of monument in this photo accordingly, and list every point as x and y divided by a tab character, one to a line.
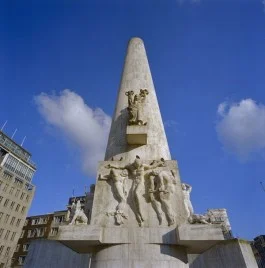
233	253
44	253
196	246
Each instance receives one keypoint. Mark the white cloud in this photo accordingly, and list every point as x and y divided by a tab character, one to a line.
88	128
221	108
241	127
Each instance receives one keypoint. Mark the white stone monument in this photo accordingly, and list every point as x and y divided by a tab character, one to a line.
141	215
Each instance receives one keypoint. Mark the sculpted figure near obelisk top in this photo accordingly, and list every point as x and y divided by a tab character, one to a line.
136	77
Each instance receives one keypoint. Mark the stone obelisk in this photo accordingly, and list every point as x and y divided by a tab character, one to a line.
141	214
137	75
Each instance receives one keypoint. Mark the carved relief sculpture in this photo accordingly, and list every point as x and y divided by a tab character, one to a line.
198	218
77	215
153	195
135	107
137	169
118	178
164	186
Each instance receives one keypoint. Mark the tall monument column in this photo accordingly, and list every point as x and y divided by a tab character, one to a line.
141	214
147	140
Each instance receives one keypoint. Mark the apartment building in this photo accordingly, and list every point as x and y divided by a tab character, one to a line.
16	194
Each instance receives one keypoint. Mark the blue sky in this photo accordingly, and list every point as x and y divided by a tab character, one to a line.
207	59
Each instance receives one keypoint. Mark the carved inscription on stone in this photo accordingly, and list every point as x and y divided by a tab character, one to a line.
135	107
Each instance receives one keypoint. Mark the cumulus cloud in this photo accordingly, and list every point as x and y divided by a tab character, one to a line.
88	128
241	127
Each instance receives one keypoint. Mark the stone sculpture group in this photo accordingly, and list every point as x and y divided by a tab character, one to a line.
77	214
135	107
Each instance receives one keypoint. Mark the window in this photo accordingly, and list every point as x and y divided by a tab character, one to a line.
23	210
1	232
27	198
1	215
5	188
7	217
22	233
35	221
22	196
29	175
1	198
17	208
11	190
26	222
13	236
18	182
6	202
1	182
7	251
7	235
17	192
18	222
11	163
32	233
1	249
12	220
40	232
7	175
59	219
17	248
21	259
54	231
26	247
12	205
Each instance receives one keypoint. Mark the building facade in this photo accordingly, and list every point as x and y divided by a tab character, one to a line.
16	194
47	225
219	216
36	227
258	247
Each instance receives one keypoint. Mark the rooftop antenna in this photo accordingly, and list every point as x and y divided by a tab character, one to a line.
23	141
3	125
14	133
73	193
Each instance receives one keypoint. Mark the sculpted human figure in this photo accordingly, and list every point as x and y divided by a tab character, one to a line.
138	169
198	218
154	198
135	106
186	189
118	177
165	188
77	214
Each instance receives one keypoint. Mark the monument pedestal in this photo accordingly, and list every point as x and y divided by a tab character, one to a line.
194	246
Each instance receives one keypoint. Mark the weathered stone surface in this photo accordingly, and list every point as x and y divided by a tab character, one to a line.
45	253
139	255
136	135
227	254
198	238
